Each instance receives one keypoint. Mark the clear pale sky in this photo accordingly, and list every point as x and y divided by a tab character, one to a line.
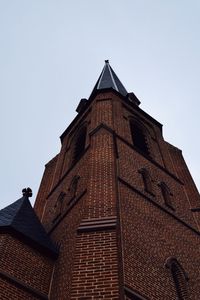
51	54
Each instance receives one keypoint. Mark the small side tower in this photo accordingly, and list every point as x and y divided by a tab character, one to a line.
27	254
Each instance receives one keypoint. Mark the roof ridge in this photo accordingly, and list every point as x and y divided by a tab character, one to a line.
23	199
109	68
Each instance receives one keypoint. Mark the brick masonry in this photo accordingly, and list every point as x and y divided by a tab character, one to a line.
25	268
114	237
99	262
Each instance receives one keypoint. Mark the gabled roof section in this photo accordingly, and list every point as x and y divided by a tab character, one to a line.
21	219
108	79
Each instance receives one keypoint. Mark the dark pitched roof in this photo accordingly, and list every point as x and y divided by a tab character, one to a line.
108	79
20	218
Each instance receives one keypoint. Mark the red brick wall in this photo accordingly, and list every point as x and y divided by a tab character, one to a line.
45	187
81	170
95	274
190	188
66	234
101	186
65	155
96	171
184	174
98	179
25	264
9	291
149	237
154	136
96	265
102	110
130	162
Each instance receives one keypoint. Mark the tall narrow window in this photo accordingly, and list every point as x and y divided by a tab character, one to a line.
58	206
179	276
166	193
139	137
79	144
146	180
73	188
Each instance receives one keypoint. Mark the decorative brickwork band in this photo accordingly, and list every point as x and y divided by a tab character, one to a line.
96	224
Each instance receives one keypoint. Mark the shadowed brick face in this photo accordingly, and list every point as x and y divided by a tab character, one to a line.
24	273
114	235
10	291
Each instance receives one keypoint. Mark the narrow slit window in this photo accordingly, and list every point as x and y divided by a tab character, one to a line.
58	206
146	180
167	195
73	188
180	278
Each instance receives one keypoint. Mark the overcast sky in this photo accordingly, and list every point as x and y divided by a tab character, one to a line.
51	54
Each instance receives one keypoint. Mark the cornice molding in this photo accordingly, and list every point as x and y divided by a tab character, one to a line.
100	224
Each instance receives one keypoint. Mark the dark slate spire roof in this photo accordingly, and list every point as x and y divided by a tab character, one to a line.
108	79
20	218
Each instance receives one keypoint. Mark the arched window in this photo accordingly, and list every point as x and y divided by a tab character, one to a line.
146	180
166	193
79	144
179	276
58	206
139	137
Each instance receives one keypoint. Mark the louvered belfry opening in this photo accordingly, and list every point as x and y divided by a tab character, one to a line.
79	144
139	138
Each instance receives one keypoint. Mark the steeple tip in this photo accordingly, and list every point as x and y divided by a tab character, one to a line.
108	79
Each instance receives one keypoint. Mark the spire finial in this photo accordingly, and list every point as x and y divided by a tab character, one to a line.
109	80
27	192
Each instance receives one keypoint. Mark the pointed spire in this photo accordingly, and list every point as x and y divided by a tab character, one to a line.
20	218
108	79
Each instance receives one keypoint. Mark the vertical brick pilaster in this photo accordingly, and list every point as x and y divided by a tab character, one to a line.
95	273
96	268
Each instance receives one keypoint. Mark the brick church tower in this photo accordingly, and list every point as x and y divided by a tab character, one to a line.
117	215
